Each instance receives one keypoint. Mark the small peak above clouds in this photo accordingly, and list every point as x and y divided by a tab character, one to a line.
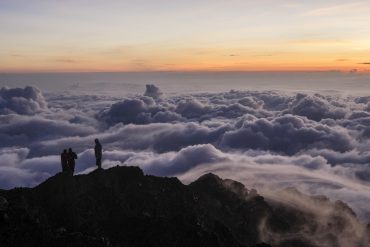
23	101
153	91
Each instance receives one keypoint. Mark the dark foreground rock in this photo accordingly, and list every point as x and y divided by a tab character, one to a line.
123	207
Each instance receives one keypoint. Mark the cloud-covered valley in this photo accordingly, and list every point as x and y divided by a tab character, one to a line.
266	139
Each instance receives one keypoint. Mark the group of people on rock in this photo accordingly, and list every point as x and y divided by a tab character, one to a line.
68	158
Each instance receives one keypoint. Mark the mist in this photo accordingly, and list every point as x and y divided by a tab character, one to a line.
123	83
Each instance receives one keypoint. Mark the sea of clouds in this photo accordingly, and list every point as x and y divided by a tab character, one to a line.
266	139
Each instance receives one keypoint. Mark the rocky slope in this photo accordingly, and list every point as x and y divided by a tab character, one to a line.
123	207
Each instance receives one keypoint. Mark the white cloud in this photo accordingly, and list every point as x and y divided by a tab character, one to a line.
28	101
315	142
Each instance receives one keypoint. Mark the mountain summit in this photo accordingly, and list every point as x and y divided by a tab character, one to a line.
121	206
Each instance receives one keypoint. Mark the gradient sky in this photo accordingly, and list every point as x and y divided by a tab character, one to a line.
148	35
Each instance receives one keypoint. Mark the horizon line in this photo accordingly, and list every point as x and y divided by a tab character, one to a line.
353	71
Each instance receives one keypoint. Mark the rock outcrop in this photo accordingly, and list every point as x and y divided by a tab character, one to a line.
123	207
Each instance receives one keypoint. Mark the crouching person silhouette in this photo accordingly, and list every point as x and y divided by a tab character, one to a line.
64	160
72	156
98	153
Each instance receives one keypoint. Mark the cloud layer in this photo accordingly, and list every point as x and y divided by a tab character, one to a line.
27	101
318	143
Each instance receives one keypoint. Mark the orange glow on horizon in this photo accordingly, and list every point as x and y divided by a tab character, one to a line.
211	59
193	66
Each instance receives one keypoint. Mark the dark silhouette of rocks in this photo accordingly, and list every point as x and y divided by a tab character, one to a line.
123	207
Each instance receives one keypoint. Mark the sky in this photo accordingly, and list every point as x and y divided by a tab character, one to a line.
202	35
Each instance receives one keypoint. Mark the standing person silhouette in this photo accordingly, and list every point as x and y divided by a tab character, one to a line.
71	160
98	153
64	160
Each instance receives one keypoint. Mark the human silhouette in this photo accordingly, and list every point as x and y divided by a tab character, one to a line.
64	160
98	153
71	160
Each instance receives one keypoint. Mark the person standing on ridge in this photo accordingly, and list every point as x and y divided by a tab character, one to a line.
98	153
64	160
71	160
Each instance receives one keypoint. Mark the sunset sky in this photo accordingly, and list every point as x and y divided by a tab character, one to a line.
173	35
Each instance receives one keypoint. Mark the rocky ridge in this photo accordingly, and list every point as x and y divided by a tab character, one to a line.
121	206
